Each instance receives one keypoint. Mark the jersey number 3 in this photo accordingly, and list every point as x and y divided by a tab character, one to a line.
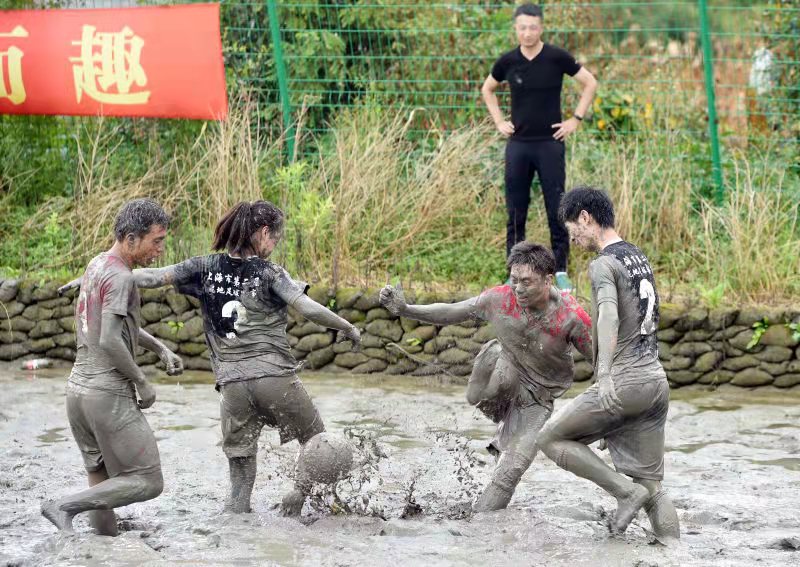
646	291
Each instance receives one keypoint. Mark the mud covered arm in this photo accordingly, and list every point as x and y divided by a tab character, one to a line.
172	362
318	314
436	313
143	277
581	338
154	277
114	347
607	327
601	274
441	313
71	285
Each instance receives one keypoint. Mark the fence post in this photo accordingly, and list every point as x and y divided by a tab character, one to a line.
708	71
280	68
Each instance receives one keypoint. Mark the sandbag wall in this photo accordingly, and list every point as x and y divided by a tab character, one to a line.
696	345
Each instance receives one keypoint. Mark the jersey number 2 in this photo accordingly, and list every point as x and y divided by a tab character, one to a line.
646	291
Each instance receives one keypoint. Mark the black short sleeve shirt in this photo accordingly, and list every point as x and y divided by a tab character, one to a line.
535	89
244	305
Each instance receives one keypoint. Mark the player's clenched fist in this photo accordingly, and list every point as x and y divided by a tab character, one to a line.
393	300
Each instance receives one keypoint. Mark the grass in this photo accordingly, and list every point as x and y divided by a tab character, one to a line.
371	204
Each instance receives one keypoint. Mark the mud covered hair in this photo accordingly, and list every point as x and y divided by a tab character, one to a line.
136	217
596	202
538	257
235	229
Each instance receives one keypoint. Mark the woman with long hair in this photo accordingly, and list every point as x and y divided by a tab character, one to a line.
244	299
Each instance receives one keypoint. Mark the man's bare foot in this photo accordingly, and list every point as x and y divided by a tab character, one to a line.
628	507
59	518
292	503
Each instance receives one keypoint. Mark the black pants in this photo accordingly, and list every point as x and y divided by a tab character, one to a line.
523	161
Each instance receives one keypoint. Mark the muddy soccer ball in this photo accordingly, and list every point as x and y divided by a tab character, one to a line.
325	459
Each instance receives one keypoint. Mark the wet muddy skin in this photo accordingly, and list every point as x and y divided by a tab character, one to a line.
732	469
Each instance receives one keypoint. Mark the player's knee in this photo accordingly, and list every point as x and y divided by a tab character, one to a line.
652	486
153	485
545	439
473	398
549	445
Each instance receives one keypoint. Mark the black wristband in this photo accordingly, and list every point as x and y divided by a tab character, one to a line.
579	117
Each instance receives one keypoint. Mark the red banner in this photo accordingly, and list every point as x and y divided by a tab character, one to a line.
163	61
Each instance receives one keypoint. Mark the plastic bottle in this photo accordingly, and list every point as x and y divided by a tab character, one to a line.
37	363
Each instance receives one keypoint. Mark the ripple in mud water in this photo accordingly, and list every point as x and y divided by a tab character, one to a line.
421	457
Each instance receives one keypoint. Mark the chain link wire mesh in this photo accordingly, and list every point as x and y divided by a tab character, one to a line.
433	56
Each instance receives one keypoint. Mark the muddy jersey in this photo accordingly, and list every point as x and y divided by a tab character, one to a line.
622	275
538	346
244	304
107	287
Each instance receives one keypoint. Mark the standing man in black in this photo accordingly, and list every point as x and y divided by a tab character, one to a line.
536	132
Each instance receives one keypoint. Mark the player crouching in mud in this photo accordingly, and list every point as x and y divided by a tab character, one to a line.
517	376
244	299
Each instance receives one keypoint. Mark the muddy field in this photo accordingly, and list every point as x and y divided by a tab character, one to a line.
733	470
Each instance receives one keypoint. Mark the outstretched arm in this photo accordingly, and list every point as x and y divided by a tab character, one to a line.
172	361
71	285
315	312
436	313
143	277
154	277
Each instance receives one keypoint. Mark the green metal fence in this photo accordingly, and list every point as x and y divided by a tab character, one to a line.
725	72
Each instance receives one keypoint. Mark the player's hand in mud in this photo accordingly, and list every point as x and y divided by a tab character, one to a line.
68	286
353	335
147	394
608	396
172	362
393	299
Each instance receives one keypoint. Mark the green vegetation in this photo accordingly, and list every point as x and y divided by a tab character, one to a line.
396	172
376	201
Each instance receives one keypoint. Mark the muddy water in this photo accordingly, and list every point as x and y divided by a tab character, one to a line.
733	470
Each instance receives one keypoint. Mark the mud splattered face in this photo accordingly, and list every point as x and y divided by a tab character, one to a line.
144	250
530	288
582	231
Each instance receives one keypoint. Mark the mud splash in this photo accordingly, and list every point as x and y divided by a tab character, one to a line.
732	470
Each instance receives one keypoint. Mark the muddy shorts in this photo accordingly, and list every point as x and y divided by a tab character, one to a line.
111	431
635	435
521	422
515	409
281	402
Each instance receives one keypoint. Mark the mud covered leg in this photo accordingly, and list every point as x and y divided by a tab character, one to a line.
517	459
243	478
661	512
103	521
580	460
